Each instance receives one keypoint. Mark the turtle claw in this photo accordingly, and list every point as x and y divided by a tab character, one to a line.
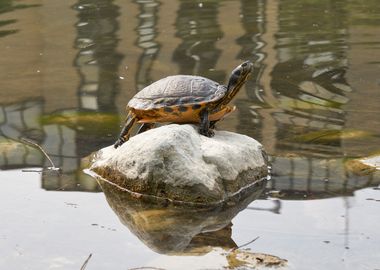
119	142
209	133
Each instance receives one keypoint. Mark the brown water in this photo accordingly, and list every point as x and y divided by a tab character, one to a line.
68	68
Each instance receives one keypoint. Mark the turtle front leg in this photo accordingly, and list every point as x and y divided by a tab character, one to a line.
126	131
204	128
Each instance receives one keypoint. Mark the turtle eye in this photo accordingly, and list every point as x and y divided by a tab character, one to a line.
244	64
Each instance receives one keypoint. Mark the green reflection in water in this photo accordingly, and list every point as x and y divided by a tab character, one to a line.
9	6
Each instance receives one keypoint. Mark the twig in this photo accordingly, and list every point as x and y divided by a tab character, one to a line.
147	268
85	262
43	151
246	244
32	170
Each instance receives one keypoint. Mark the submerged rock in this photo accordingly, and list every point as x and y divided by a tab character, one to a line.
364	166
245	259
175	162
373	161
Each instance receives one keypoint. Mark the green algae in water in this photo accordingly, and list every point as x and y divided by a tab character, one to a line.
85	120
328	136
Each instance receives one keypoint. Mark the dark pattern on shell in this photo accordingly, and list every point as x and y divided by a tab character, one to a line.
177	90
196	106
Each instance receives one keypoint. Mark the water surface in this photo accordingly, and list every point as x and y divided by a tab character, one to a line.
68	68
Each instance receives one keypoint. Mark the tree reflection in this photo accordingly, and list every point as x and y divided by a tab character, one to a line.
198	27
8	6
146	33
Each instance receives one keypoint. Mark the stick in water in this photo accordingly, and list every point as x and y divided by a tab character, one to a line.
85	262
246	244
43	151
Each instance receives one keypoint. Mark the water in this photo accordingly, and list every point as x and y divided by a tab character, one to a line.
68	68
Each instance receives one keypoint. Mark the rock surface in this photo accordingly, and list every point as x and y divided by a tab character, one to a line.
364	166
373	161
175	162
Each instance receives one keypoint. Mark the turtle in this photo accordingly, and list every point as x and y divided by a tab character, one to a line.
184	99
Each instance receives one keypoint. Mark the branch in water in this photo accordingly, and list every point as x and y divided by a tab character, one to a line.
53	167
85	262
246	244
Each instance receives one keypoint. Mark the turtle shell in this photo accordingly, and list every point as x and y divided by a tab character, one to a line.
178	90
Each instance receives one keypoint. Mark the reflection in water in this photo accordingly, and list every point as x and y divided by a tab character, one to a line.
312	54
8	6
71	133
317	77
295	104
97	60
178	229
97	63
146	33
313	178
252	20
17	121
198	28
21	120
305	88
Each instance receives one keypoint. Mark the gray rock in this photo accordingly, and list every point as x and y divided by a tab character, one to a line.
175	162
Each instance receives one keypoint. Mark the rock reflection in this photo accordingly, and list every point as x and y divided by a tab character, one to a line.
178	228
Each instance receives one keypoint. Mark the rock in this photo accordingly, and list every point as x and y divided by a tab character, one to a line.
364	166
373	161
245	259
175	162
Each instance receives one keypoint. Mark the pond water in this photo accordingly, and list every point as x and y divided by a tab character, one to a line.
68	68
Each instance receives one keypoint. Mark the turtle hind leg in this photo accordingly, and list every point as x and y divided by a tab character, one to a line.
204	128
144	127
126	131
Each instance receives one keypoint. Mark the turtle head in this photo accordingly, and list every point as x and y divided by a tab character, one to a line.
238	77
